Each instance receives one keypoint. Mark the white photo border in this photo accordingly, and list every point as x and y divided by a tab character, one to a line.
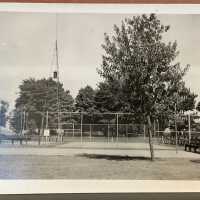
98	186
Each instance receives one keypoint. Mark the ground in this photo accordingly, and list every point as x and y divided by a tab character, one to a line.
97	167
97	160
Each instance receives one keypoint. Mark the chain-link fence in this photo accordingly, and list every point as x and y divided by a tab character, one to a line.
106	127
102	126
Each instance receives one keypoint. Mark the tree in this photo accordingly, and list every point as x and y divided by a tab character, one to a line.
107	97
144	67
85	99
16	121
186	99
3	110
36	97
84	102
198	106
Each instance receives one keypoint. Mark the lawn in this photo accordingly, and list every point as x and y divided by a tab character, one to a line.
97	160
97	166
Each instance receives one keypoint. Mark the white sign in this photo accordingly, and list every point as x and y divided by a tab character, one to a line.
46	132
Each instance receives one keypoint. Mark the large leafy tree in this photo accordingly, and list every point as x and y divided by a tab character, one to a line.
15	121
107	97
144	66
3	110
85	102
85	99
36	97
186	100
198	106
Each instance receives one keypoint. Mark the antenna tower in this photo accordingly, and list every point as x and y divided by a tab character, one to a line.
57	73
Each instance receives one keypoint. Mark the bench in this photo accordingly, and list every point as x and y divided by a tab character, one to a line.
193	144
14	138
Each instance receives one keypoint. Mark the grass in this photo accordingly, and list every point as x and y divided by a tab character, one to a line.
97	160
97	166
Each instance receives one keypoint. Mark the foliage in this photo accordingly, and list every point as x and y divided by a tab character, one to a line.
85	99
198	106
36	97
144	66
144	69
3	110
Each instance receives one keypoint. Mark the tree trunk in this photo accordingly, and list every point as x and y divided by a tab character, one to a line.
150	138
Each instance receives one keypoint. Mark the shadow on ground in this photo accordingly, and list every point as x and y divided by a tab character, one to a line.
112	157
196	161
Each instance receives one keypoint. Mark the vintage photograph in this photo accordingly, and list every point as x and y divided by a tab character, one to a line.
99	96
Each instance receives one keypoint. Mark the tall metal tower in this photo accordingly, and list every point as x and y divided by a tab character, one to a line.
56	75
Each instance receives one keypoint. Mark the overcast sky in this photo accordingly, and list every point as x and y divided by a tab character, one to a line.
27	42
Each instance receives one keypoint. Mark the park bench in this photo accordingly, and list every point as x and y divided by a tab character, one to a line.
14	138
193	144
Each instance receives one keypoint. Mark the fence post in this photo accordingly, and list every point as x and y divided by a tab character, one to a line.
108	132
39	140
81	128
21	121
24	123
176	131
47	119
154	128
42	124
117	127
90	132
73	129
126	132
144	131
189	127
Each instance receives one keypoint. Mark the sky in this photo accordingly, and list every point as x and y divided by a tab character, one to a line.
27	42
